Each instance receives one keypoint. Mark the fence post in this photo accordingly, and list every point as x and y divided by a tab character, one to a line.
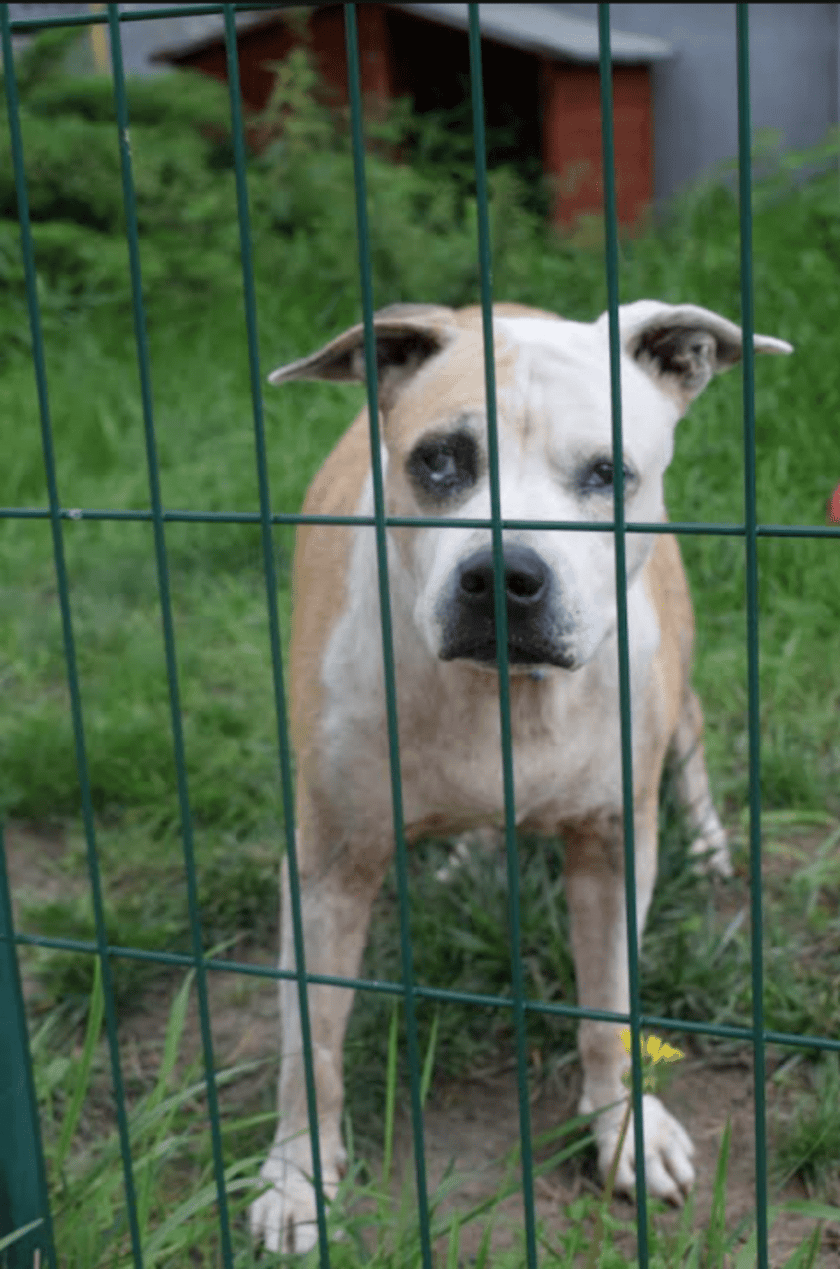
23	1189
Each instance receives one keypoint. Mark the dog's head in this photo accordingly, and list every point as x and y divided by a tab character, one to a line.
555	459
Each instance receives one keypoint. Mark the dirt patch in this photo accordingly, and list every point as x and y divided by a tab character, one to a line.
470	1124
34	859
243	1009
475	1124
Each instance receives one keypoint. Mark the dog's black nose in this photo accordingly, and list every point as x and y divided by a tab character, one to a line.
531	601
526	581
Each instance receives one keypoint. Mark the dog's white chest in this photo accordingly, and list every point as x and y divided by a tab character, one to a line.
565	734
566	756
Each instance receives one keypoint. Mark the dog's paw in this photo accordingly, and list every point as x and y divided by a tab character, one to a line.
669	1173
711	852
285	1218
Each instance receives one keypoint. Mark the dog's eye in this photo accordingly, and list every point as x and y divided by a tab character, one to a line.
601	475
440	464
444	465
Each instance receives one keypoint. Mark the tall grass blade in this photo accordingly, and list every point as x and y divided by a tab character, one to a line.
203	1199
171	1048
429	1059
454	1244
716	1229
94	1026
482	1258
805	1256
10	1239
390	1096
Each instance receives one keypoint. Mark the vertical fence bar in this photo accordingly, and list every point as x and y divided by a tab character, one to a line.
24	1198
167	624
611	226
753	699
354	89
500	617
270	574
62	586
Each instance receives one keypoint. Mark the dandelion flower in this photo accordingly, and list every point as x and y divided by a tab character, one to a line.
654	1049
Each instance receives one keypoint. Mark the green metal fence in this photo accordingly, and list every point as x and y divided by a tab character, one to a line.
23	1189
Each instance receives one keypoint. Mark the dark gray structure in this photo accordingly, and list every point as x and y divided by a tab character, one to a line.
795	86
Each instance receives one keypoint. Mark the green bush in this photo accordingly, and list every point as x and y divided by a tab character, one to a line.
183	180
301	195
177	99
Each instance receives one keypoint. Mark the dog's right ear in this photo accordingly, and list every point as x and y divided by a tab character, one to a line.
682	346
407	335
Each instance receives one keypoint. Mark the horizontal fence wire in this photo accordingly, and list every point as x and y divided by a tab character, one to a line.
445	995
22	26
686	528
407	989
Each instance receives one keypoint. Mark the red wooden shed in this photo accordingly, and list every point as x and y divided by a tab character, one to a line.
540	71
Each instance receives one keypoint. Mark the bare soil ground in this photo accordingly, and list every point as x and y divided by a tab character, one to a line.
472	1123
477	1123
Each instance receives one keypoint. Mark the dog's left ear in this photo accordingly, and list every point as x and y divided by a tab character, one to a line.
682	346
407	335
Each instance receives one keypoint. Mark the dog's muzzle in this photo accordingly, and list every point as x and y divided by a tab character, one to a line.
535	636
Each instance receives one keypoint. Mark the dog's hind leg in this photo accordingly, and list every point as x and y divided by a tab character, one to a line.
337	888
709	842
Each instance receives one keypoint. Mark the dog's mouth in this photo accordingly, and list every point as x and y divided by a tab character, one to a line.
538	630
519	652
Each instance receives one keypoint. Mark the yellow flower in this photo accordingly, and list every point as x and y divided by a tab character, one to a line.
654	1048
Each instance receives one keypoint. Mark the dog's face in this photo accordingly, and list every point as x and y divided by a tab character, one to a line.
555	464
554	422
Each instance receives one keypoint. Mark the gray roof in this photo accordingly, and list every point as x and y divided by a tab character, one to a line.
18	11
191	32
537	28
543	28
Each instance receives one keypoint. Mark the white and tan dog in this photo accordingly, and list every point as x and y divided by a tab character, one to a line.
555	456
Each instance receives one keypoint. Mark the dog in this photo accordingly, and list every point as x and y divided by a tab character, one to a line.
556	463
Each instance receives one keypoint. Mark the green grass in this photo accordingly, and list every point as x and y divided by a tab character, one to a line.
809	1139
696	957
378	1224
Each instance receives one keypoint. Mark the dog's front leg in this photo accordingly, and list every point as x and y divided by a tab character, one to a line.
336	901
595	889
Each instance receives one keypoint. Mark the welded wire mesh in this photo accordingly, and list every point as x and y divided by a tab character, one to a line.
21	1165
